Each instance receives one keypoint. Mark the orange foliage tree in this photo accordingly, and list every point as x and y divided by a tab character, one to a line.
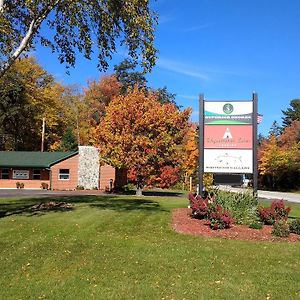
139	133
279	161
190	153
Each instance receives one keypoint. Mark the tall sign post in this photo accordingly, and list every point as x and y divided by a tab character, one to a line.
201	143
255	165
228	138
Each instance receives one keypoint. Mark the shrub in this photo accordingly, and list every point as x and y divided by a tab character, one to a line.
295	226
266	215
256	225
277	211
280	211
219	217
128	187
79	187
281	228
200	208
19	185
44	185
242	206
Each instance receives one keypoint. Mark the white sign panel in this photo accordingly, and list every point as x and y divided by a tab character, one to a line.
222	113
20	174
233	108
228	161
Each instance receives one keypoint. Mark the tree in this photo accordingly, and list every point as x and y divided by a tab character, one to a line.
279	164
98	95
70	26
275	129
164	96
68	141
290	134
28	94
128	76
141	134
292	113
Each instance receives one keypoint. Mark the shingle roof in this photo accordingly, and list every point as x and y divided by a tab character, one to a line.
30	159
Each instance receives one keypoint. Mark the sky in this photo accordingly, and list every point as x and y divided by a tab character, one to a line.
225	49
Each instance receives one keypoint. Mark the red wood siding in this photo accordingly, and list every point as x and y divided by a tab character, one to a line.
28	183
71	184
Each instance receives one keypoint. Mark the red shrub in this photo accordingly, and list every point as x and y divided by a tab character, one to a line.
219	217
277	211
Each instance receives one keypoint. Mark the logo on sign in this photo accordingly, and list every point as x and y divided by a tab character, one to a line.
228	108
227	134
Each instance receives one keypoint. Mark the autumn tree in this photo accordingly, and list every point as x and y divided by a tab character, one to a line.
290	134
77	26
141	134
279	165
98	95
29	94
190	153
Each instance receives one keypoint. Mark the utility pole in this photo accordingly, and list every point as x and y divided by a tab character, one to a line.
43	135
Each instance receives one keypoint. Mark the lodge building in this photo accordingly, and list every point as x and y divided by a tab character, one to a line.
58	170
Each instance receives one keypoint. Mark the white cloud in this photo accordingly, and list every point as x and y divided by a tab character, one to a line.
188	97
196	28
181	68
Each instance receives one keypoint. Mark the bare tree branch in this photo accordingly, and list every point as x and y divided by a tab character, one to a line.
1	6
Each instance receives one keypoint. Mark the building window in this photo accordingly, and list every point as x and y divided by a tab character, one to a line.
5	174
64	174
36	174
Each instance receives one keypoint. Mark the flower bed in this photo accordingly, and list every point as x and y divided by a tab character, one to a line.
182	222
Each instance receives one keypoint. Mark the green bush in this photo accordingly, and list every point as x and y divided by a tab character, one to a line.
256	225
295	226
242	206
128	187
281	228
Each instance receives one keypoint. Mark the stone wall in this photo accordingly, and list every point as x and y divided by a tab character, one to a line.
88	167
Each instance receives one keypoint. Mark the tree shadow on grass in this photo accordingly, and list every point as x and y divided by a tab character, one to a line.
26	206
128	205
156	193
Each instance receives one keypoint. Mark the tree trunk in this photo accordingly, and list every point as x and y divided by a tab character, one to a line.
139	185
139	191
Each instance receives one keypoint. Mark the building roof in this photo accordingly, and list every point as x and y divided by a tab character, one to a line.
30	159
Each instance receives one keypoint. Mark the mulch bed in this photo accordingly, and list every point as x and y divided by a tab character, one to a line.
182	222
52	205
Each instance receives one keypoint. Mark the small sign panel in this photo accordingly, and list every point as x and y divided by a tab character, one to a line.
228	161
20	174
230	137
226	113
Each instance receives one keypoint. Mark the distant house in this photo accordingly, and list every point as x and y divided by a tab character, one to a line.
58	170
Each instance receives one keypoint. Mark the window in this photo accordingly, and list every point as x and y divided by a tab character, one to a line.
36	174
64	174
20	174
5	174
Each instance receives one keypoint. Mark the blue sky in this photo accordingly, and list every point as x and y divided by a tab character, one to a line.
225	49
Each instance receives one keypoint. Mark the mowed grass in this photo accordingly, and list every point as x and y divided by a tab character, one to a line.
123	247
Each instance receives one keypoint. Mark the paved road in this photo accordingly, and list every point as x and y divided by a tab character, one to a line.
21	193
24	193
291	197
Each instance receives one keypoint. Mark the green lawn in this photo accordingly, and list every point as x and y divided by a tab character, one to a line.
124	248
